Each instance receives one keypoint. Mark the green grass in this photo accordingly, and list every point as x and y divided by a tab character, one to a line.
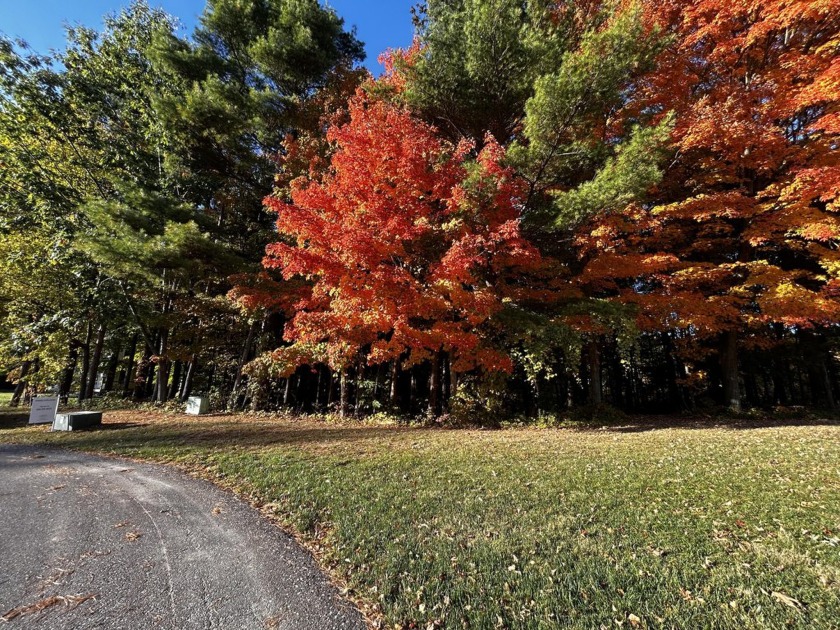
683	527
5	397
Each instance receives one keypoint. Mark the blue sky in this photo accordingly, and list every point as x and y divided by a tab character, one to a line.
381	23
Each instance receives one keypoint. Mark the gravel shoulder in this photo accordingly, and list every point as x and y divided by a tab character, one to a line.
92	542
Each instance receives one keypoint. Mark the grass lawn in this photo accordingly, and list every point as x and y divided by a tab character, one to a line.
682	527
5	397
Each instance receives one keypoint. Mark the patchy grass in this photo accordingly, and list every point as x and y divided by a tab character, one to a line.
5	398
675	527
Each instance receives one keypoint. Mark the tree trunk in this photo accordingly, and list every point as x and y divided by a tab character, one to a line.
330	390
163	367
175	385
780	377
111	370
360	377
186	388
729	371
395	396
435	386
593	360
288	390
93	369
675	393
345	395
751	388
67	376
85	363
243	358
21	384
377	384
829	390
129	366
143	372
453	381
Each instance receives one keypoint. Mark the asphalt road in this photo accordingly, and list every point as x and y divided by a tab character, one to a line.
90	542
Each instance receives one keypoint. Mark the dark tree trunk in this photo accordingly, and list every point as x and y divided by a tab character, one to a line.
360	377
675	396
593	360
751	388
21	384
288	390
780	379
163	367
453	381
344	403
446	380
729	371
143	373
330	390
435	386
829	392
175	383
377	384
394	394
111	370
85	363
67	376
93	369
243	359
129	366
186	388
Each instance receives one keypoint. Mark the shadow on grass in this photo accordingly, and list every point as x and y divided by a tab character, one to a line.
643	424
13	417
220	432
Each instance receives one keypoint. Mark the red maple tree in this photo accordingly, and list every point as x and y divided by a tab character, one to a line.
411	246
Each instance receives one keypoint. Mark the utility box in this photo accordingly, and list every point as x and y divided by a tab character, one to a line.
77	420
198	405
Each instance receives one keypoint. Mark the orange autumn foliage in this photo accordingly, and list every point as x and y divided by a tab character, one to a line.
745	230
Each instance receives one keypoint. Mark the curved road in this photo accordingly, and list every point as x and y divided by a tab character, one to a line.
90	542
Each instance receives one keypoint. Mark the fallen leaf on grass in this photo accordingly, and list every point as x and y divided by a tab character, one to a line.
71	601
634	620
787	600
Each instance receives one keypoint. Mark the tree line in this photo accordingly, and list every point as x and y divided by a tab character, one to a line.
539	206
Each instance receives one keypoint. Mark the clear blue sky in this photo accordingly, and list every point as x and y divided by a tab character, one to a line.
381	24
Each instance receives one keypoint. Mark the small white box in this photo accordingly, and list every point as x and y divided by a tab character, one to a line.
198	405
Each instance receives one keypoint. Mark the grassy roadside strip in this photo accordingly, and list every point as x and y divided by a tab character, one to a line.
711	527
